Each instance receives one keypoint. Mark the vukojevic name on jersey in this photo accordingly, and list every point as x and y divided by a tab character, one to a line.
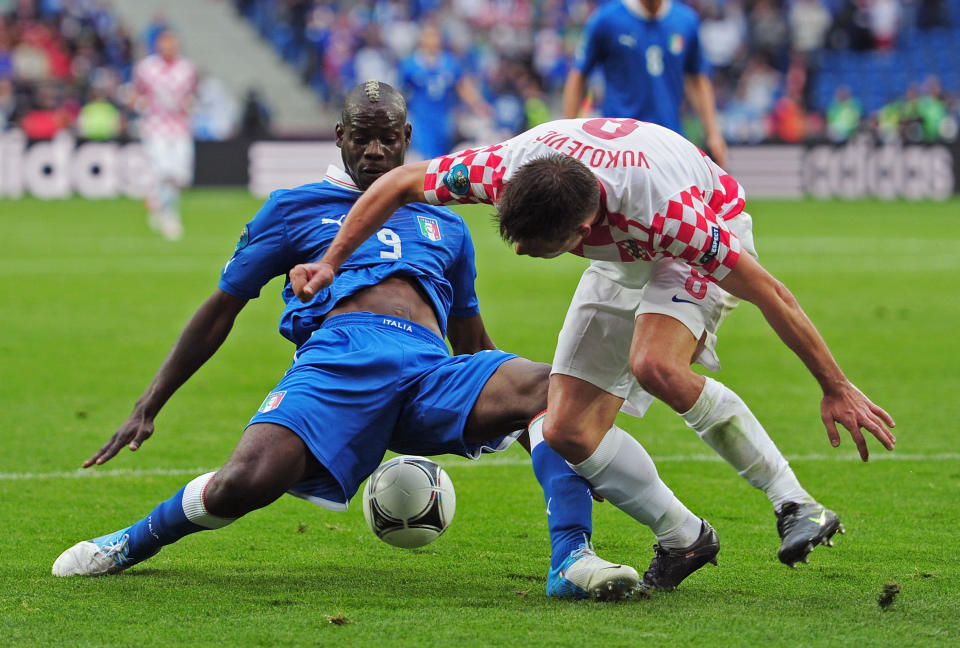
662	196
431	244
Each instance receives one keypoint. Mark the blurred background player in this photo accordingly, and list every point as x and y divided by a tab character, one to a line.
166	85
434	81
649	54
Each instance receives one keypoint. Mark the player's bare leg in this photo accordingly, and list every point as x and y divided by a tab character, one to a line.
268	460
580	425
660	357
514	396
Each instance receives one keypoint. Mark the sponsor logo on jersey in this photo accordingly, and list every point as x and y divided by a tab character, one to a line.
627	40
333	221
457	180
680	300
714	246
272	401
676	44
403	326
429	227
244	239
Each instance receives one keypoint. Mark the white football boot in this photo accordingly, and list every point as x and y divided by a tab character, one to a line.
104	555
584	574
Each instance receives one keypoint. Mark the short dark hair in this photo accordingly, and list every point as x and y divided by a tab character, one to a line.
370	93
546	199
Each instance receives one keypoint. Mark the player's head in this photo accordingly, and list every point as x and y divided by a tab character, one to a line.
652	6
431	39
548	206
167	44
373	133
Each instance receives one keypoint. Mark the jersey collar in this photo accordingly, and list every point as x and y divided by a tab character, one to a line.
339	177
640	11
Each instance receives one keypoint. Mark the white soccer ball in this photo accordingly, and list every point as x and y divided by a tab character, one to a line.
409	501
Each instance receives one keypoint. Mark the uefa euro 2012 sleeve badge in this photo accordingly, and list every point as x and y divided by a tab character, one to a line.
457	180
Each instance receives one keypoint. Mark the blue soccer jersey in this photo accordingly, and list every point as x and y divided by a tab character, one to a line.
643	59
430	244
430	89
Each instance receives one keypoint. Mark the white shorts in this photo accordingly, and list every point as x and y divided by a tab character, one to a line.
594	343
171	157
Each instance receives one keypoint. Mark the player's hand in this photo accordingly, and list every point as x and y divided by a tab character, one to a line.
134	431
852	409
718	149
307	278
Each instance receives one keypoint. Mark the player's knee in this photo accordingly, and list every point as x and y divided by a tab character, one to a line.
532	389
656	375
565	435
238	488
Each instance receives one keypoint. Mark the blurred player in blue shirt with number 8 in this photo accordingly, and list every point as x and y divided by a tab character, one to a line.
649	54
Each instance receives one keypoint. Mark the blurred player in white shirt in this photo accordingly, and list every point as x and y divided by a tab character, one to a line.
166	85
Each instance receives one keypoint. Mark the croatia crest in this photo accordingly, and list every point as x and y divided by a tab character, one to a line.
272	401
429	227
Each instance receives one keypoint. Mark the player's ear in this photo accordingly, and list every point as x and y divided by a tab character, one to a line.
407	133
583	229
338	130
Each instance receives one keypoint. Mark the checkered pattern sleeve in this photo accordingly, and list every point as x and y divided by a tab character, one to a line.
469	176
687	228
727	197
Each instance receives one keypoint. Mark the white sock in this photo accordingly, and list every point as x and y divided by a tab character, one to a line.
727	425
194	508
621	471
169	198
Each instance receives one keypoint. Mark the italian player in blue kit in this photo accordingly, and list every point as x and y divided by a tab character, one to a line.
372	371
435	82
648	52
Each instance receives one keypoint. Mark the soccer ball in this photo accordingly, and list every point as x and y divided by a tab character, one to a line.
409	501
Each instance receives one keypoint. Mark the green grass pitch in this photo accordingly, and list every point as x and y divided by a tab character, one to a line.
91	301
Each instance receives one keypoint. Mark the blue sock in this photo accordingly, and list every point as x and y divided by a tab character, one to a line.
181	515
569	503
164	525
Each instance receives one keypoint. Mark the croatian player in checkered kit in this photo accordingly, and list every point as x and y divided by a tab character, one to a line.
671	250
166	85
371	368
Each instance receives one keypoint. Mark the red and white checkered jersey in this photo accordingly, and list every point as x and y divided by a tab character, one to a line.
167	88
661	195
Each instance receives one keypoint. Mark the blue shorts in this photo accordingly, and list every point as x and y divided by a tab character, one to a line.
365	383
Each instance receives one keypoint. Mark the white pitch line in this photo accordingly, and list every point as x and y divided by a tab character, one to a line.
487	460
93	473
713	458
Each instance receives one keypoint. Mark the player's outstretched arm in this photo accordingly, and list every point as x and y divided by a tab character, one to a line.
842	402
199	340
391	191
574	88
699	90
